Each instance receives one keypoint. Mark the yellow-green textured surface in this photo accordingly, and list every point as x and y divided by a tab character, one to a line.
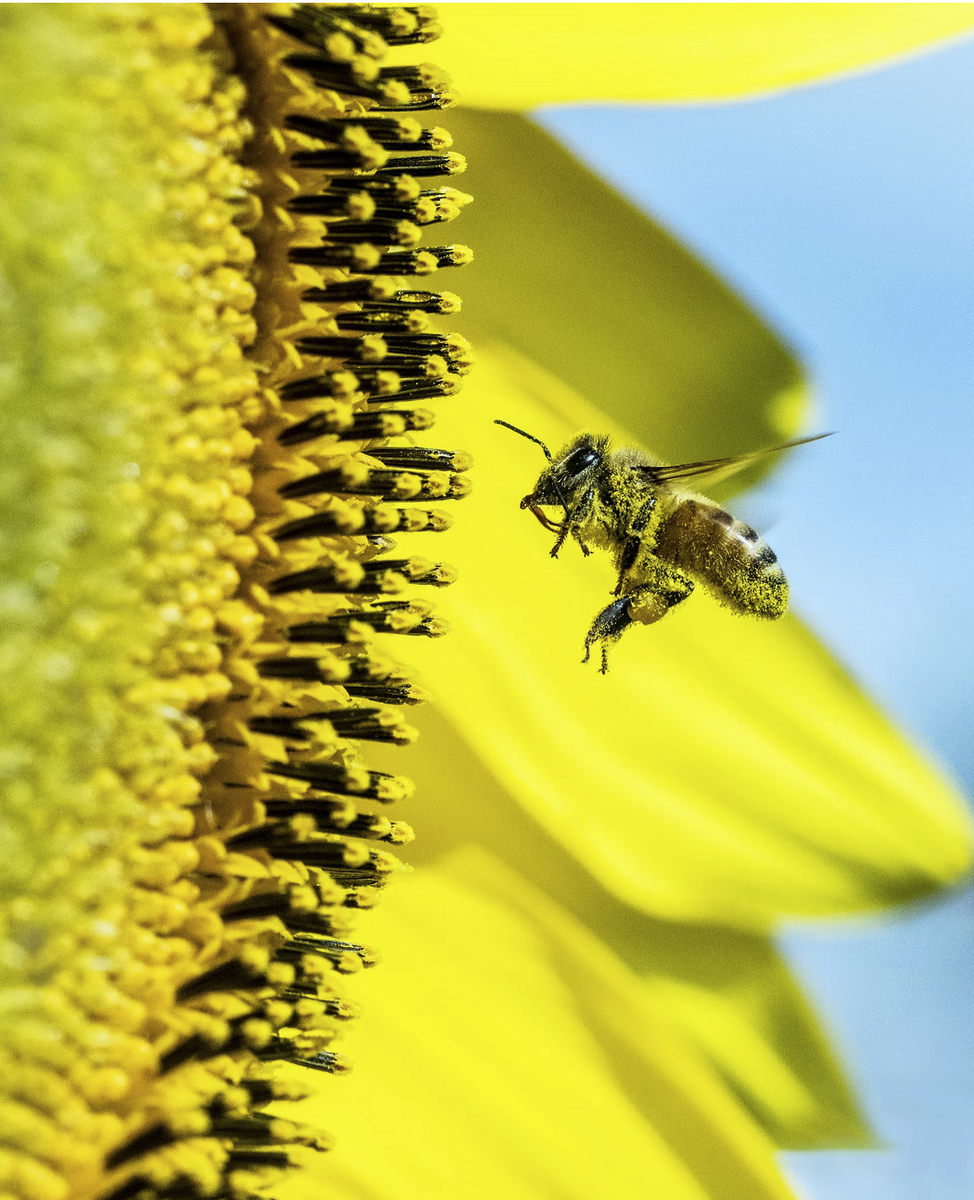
102	326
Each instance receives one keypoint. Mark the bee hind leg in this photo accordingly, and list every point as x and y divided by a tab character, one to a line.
611	623
645	606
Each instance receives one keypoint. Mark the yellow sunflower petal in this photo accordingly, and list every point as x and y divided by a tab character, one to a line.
725	769
517	56
546	1070
799	1105
726	989
576	278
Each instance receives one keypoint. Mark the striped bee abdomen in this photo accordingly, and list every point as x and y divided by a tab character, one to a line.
734	563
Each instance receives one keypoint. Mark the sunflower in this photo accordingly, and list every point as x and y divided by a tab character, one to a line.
225	338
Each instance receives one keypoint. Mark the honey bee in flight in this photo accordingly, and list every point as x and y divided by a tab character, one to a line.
662	537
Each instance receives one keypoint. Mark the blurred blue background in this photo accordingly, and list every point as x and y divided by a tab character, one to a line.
845	214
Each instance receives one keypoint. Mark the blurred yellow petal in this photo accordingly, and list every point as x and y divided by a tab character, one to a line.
577	279
758	1031
517	56
538	1065
796	1116
724	770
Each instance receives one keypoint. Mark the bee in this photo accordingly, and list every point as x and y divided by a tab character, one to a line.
663	538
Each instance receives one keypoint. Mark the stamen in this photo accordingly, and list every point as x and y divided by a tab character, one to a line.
345	781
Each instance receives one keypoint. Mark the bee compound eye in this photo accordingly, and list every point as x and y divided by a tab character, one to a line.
581	459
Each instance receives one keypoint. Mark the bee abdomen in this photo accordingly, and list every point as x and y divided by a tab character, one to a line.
734	563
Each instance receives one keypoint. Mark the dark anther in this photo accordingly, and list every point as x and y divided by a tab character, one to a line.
406	320
323	524
284	1048
335	629
424	102
282	727
329	816
263	904
380	291
350	349
420	389
361	723
402	188
318	853
374	522
261	1091
153	1138
388	422
324	581
311	387
131	1188
420	367
307	669
316	25
421	458
424	165
195	1046
316	579
332	160
320	425
398	262
389	132
342	77
331	777
239	1159
330	948
389	23
400	693
231	976
349	258
378	231
271	834
252	1127
431	302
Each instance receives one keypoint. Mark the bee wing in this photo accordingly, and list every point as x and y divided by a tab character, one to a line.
717	469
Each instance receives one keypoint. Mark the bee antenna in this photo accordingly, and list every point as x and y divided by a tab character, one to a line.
529	436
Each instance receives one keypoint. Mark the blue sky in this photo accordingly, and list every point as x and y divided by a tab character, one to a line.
845	213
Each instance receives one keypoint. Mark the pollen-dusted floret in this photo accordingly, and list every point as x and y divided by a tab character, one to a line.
242	442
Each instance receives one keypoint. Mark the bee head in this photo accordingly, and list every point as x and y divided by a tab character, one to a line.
566	472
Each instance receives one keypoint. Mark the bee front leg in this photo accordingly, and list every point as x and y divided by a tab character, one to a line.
564	529
560	540
561	528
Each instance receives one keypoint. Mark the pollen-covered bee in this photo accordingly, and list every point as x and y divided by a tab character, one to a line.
663	538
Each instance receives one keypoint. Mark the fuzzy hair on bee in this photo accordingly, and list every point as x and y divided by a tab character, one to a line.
663	538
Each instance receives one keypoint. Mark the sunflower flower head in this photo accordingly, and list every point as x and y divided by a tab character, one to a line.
197	560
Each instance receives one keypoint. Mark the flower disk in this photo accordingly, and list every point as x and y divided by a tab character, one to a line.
214	347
